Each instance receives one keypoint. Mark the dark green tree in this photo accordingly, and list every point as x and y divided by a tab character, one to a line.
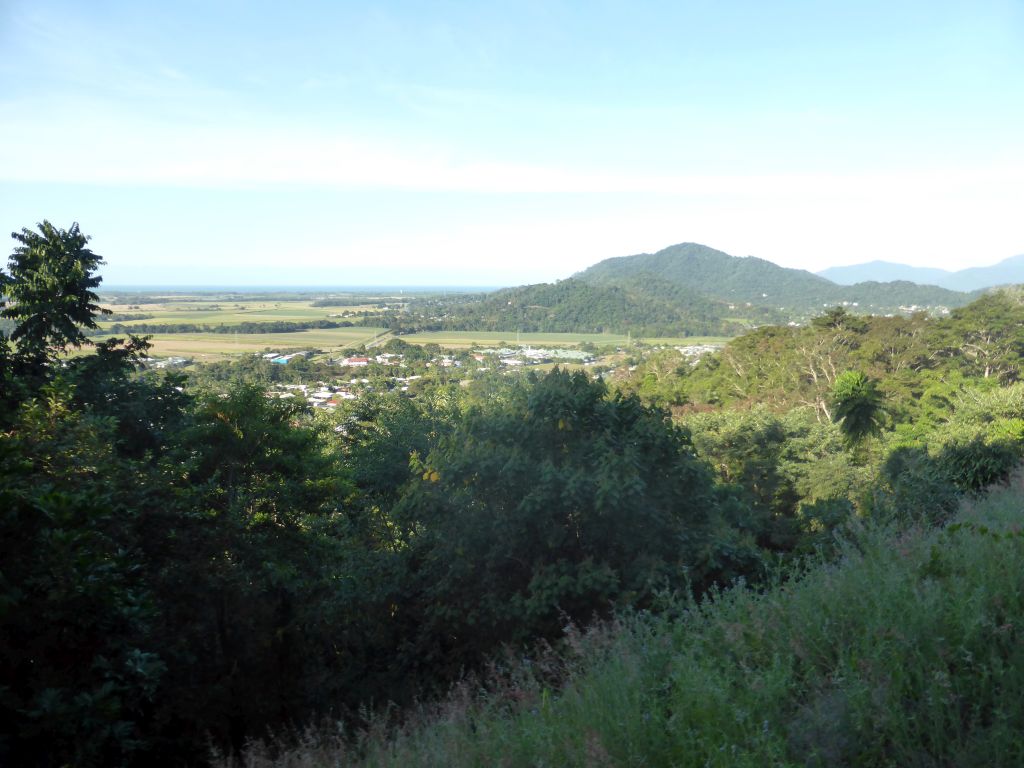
557	501
857	406
50	291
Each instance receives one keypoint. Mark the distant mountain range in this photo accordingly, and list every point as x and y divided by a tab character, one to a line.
684	289
1009	271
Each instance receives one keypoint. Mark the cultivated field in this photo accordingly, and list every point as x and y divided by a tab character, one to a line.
229	313
214	311
210	346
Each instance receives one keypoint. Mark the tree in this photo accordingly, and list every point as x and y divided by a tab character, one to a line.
986	338
49	292
857	406
555	501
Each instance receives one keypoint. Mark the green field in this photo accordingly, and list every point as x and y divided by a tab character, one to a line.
230	313
209	346
206	346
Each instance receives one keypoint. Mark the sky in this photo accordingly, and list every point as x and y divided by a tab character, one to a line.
224	142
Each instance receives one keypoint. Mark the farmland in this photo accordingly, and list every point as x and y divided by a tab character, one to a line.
230	313
209	346
214	311
235	310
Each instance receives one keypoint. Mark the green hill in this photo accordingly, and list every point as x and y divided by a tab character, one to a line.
734	279
649	306
686	289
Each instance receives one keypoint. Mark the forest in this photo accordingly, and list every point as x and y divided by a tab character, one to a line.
778	554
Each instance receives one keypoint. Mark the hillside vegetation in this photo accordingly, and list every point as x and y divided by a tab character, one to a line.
902	649
190	564
653	308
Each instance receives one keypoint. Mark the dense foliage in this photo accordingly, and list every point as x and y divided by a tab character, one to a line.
904	651
186	566
653	308
186	562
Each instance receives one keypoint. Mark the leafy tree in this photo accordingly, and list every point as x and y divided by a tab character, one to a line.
559	501
986	337
50	291
838	318
80	662
857	406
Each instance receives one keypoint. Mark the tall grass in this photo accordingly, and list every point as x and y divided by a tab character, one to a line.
907	650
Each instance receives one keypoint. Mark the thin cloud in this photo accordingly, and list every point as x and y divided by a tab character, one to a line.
113	148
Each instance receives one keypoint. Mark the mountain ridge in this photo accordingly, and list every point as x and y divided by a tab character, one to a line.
685	289
1006	272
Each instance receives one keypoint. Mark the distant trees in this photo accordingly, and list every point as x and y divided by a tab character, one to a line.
270	326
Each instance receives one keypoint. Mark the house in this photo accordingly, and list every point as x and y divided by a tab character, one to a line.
354	361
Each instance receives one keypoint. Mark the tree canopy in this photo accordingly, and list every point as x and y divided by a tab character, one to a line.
50	290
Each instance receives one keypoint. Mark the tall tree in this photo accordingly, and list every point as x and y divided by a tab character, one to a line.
857	405
50	292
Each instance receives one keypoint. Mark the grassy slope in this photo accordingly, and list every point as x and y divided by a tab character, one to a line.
907	651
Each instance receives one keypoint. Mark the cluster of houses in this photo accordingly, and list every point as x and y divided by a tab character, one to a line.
166	362
911	309
320	395
328	397
694	352
385	358
531	356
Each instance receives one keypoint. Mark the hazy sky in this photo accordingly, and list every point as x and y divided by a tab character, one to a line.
488	143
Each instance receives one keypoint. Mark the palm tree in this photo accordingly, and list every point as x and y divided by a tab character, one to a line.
857	406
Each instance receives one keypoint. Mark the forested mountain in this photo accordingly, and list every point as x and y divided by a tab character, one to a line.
749	279
1008	271
687	289
714	273
650	307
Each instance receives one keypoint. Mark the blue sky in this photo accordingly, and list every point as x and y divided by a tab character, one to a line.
230	142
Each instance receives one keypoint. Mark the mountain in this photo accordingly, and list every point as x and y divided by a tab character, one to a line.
741	280
652	307
1009	271
885	271
686	289
1006	272
711	272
